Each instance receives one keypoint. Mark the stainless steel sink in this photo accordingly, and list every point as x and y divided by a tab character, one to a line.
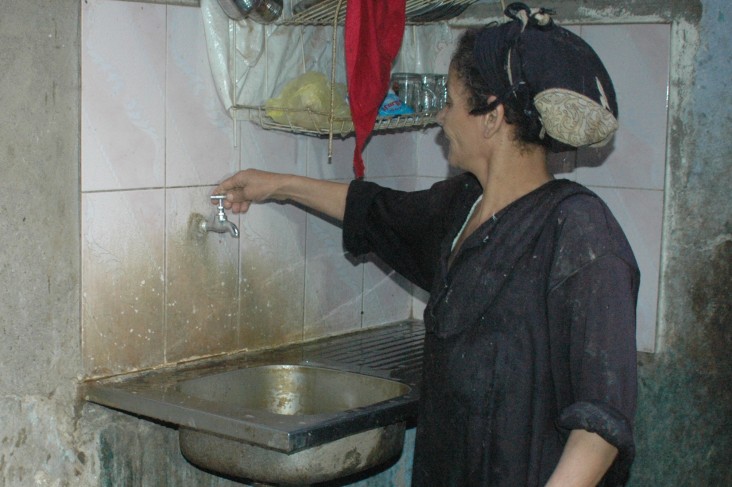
343	418
229	417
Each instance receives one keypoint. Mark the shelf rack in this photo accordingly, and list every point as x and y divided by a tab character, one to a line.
323	12
332	13
318	123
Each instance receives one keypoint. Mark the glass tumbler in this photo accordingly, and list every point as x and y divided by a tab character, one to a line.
408	87
440	91
428	99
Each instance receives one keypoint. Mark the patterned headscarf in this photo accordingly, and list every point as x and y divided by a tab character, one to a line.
569	89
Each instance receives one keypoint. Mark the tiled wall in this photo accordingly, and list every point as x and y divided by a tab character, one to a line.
629	173
155	140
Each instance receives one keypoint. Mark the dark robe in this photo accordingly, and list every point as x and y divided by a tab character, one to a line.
530	330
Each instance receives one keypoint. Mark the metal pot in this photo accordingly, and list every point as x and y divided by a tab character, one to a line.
267	11
262	11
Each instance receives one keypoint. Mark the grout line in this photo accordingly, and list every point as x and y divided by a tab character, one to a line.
305	251
238	320
363	288
622	187
165	196
151	188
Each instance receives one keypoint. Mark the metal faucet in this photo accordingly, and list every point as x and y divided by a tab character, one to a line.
219	223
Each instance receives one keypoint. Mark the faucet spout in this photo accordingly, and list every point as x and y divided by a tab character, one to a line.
219	223
222	227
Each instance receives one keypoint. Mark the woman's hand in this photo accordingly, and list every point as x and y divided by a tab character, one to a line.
254	186
249	186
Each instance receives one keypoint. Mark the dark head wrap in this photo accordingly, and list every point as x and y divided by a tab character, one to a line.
565	84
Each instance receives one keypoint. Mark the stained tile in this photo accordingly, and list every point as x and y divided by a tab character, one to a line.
424	182
637	58
199	133
562	164
333	282
419	302
272	275
577	29
122	281
270	150
640	213
340	167
202	271
123	95
427	48
272	246
432	149
392	154
386	294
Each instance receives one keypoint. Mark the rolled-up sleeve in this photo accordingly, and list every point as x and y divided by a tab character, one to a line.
595	307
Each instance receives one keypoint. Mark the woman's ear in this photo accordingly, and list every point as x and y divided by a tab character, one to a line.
493	120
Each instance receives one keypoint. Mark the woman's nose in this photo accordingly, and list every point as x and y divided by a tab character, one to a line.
440	117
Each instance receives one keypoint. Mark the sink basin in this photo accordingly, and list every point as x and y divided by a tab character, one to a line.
336	423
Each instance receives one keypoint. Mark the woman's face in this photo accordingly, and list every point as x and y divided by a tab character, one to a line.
463	131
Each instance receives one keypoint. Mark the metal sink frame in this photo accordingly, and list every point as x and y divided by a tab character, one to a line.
391	352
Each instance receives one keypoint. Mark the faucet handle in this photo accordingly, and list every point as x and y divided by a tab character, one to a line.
219	223
221	198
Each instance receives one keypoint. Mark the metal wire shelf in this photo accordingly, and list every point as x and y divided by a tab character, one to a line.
323	12
314	123
324	124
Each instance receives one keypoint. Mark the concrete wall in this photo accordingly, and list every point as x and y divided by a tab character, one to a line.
48	438
684	426
39	244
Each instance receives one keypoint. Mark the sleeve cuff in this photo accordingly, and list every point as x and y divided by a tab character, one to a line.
612	426
358	201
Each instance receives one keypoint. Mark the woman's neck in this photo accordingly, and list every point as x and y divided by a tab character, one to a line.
509	176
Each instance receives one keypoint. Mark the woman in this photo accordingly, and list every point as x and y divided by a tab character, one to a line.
529	358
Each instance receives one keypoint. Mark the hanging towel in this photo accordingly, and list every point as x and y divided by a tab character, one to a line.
373	36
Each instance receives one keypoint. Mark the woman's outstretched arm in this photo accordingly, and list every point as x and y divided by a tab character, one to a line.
255	186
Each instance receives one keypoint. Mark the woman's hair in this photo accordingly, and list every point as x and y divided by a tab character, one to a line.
518	106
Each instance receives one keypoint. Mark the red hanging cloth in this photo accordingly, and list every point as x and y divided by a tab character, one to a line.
373	36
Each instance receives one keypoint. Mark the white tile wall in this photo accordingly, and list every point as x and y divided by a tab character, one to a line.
629	173
640	214
155	138
272	246
386	295
123	262
333	282
198	133
201	280
637	58
123	95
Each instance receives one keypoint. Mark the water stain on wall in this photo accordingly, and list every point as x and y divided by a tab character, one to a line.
202	293
122	315
706	346
271	298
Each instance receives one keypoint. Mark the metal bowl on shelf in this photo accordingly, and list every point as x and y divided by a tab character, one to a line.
262	11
